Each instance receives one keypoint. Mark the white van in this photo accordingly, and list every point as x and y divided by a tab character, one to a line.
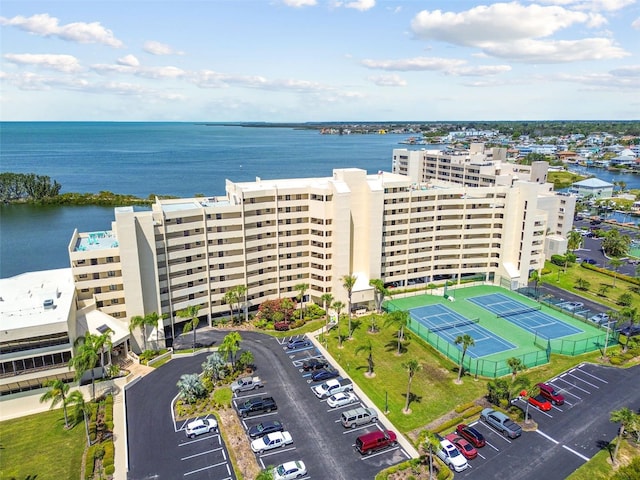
358	416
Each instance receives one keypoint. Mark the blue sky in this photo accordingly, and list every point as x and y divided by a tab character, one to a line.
319	60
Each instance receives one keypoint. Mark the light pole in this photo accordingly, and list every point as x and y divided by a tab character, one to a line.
606	340
386	402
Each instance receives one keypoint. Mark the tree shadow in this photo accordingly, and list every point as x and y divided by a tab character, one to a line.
413	398
607	447
392	344
355	324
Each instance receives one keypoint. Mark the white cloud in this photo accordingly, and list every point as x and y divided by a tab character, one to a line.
157	48
591	5
129	60
630	71
601	81
61	63
636	23
413	64
362	5
496	31
388	81
46	26
559	51
479	71
299	3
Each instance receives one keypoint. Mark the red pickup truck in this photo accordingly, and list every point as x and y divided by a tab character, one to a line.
540	402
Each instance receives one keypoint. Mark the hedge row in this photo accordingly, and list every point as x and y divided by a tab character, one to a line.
604	271
464	406
447	425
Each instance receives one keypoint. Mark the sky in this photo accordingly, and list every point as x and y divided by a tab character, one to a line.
319	60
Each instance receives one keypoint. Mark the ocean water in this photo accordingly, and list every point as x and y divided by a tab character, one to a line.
181	159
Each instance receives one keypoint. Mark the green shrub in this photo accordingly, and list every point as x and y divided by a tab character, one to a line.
616	360
109	469
448	424
558	260
109	453
628	471
297	324
545	271
472	411
222	397
89	462
464	406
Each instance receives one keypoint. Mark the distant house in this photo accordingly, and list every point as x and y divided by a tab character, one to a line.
592	187
624	158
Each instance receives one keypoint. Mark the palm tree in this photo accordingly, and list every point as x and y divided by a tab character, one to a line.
515	365
624	417
153	319
368	348
191	387
615	263
139	322
301	288
574	240
534	277
349	281
80	408
432	444
85	358
327	299
229	299
103	342
467	341
241	297
379	292
191	313
338	306
412	366
266	474
399	318
230	346
615	244
56	394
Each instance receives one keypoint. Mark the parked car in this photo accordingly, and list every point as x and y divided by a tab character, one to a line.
298	343
358	416
572	306
466	449
271	441
198	427
600	318
377	440
590	261
541	402
501	423
471	434
630	330
314	364
341	399
265	428
290	470
451	456
324	374
550	393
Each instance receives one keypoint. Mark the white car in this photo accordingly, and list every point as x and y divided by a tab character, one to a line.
572	306
289	470
198	427
271	441
340	399
452	457
600	318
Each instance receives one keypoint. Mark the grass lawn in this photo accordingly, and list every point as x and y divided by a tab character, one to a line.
433	387
568	280
38	445
600	468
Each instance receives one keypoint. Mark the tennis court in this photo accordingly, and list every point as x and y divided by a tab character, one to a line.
525	316
450	324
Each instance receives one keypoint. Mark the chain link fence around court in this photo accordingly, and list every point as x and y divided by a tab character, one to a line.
477	366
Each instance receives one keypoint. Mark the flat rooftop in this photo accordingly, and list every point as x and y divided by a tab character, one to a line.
96	241
23	297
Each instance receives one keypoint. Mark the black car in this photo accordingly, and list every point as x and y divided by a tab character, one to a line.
629	330
314	364
265	428
298	343
590	261
324	374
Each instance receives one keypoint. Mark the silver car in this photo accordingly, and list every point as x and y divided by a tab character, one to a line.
198	427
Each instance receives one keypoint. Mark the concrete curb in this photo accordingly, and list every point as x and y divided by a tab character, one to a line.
382	418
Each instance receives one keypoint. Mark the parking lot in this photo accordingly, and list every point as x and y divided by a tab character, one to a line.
567	435
319	439
204	456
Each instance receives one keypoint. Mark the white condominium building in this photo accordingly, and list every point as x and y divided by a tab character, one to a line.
271	235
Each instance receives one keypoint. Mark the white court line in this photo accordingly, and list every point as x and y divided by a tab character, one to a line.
547	436
586	459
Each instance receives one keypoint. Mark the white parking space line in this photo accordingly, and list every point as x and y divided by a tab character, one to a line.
207	468
352	430
381	452
592	376
498	433
564	392
575	386
244	397
584	381
481	456
348	405
201	439
557	408
586	459
201	453
540	432
276	451
492	446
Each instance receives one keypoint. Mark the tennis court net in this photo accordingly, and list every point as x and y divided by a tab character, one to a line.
519	312
447	326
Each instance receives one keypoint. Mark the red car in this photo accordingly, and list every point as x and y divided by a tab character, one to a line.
541	402
471	435
461	444
550	393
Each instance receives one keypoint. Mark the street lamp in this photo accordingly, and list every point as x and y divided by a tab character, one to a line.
386	402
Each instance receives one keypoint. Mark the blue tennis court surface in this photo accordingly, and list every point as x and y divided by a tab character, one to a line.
536	322
448	324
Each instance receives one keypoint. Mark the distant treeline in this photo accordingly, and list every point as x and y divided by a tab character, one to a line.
26	186
32	188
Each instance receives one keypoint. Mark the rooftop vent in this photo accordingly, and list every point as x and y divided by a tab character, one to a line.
48	303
